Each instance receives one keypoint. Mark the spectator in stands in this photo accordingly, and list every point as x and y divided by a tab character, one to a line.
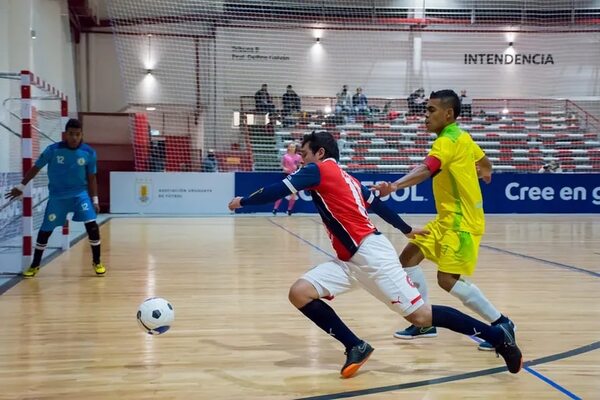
290	162
465	104
209	163
291	101
291	106
157	155
388	113
360	102
550	168
263	100
342	102
416	102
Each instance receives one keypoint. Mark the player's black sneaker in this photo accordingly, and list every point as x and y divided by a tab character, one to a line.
487	346
509	350
355	358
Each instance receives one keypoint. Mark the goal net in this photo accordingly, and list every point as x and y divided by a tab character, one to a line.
245	78
46	128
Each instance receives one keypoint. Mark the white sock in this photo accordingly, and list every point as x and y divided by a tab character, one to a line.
472	297
418	277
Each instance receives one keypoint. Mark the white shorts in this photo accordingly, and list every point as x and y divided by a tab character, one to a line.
376	268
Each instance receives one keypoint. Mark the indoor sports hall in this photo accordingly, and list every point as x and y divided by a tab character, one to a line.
188	104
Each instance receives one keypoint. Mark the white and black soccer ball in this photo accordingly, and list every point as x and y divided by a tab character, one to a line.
155	316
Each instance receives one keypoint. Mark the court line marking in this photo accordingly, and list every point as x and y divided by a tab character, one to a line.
45	261
552	383
453	378
527	365
554	263
539	375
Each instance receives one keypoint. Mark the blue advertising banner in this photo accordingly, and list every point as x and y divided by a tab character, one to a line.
508	193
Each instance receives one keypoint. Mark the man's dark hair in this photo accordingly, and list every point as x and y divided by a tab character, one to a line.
73	123
324	139
288	86
449	98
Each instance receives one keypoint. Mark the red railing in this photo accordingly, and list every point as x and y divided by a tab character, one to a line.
590	121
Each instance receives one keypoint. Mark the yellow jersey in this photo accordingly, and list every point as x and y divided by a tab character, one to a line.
458	199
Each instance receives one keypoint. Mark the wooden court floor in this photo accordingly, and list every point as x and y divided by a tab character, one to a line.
70	335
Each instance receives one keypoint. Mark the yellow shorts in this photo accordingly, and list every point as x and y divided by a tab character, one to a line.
454	252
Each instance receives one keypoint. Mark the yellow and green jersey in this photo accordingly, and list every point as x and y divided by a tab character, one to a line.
458	199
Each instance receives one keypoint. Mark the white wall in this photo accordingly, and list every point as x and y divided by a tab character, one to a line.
49	56
100	76
5	137
378	61
573	74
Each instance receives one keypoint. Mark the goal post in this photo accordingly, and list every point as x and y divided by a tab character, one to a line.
34	114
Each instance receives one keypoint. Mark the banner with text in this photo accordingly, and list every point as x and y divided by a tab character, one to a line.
170	193
508	193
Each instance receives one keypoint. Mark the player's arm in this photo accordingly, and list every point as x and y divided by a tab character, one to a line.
305	177
388	215
93	191
91	170
422	172
29	175
20	188
441	153
483	163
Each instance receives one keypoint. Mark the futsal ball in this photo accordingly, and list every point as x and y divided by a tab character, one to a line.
155	316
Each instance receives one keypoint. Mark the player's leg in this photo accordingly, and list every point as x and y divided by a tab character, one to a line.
40	245
410	258
376	268
276	206
459	259
291	203
501	336
83	211
54	215
328	280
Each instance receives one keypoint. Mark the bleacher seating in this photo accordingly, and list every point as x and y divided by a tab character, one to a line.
517	140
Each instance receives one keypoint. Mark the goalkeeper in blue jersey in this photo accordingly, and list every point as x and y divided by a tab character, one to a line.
73	188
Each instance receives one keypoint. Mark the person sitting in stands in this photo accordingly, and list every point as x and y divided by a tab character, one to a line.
416	102
291	101
263	100
360	102
342	102
465	104
550	168
209	164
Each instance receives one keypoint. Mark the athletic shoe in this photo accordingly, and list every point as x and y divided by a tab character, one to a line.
487	346
355	358
412	332
509	350
99	268
31	272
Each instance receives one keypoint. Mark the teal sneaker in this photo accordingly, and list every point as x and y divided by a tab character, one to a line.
412	332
